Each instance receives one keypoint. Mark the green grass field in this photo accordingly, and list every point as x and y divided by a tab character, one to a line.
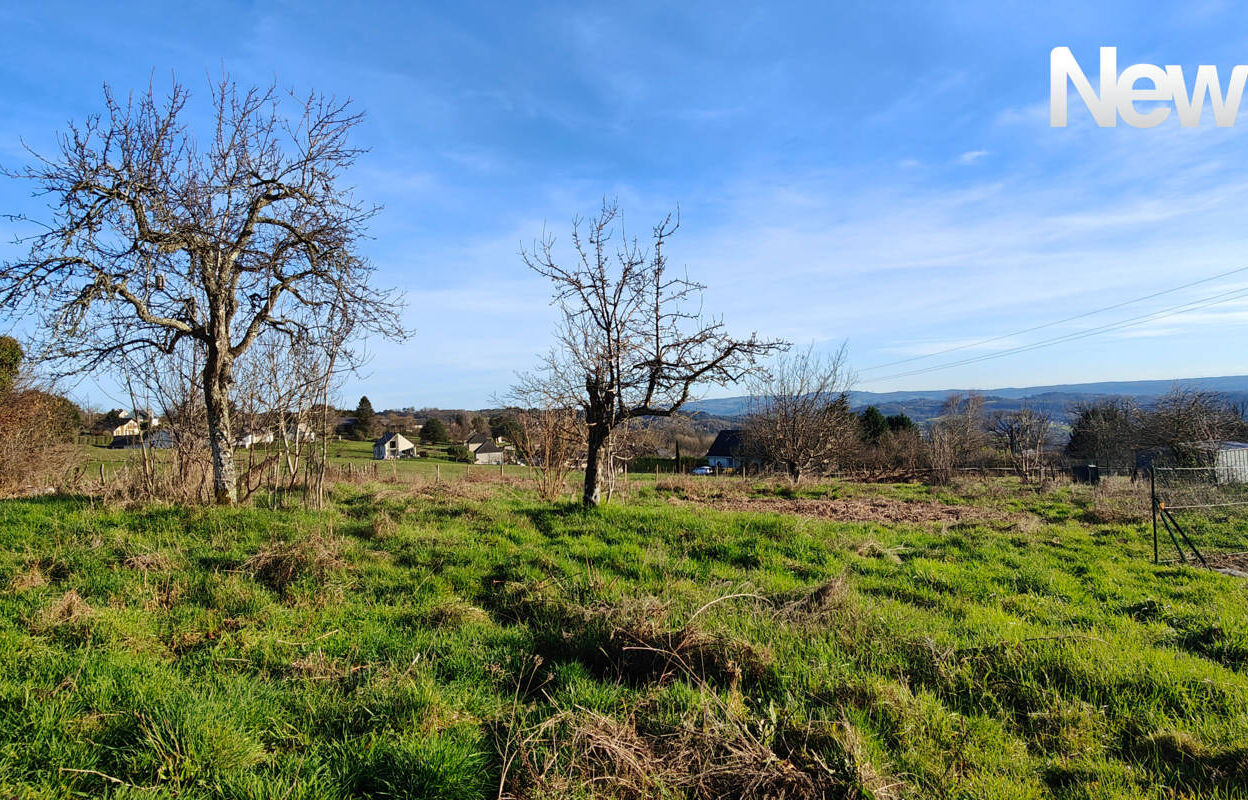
701	641
341	453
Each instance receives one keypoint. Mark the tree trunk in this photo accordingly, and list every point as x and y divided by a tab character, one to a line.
217	401
594	464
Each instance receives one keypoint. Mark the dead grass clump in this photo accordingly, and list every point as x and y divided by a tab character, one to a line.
714	754
874	549
647	656
382	525
282	563
633	641
150	562
637	642
1117	501
69	611
575	750
31	578
1027	524
824	599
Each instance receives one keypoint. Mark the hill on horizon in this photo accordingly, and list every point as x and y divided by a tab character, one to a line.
1056	399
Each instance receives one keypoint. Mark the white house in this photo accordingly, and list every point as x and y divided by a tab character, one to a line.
393	445
253	438
299	432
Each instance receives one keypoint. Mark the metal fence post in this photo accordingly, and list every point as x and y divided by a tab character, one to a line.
1152	494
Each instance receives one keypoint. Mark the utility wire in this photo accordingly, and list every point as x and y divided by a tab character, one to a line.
1195	305
1085	314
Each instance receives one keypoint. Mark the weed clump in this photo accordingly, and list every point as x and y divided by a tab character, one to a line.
711	755
873	549
634	641
283	563
68	615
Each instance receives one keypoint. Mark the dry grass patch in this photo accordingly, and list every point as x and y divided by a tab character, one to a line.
69	610
884	510
874	549
150	562
282	563
30	578
713	755
1118	501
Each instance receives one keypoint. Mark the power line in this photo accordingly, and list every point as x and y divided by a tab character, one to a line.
1195	305
1085	314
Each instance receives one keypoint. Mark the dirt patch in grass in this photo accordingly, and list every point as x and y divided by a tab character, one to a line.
1235	562
851	509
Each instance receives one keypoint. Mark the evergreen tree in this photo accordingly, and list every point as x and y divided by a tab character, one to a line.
873	424
900	422
363	429
434	432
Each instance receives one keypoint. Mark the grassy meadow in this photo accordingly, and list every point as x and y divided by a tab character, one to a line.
707	638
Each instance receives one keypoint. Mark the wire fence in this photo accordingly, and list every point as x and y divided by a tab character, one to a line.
1200	514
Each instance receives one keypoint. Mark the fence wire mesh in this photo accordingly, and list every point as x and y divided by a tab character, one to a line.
1200	514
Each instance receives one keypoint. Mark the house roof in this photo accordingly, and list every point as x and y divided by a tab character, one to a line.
489	447
479	438
728	443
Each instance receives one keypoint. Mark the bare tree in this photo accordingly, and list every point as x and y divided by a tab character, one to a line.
1183	419
957	435
800	420
197	241
1023	434
550	441
630	345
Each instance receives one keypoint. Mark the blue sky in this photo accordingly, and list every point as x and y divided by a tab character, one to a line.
883	174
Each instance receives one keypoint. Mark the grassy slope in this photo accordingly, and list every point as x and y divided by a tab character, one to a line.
341	453
411	646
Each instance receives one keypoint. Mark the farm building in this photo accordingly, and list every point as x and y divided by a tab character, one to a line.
393	445
488	453
253	438
477	440
726	451
1227	459
1230	462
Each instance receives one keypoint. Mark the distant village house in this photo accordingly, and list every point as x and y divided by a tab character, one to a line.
727	450
393	445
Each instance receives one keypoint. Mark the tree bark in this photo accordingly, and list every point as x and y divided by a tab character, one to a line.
217	381
599	433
